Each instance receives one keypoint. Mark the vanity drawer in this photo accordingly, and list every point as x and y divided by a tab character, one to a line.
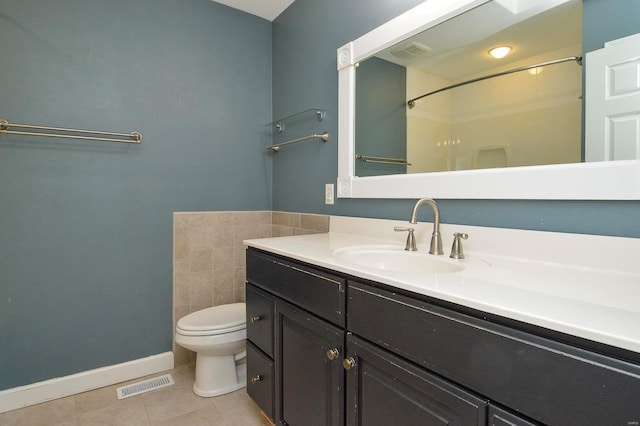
260	379
315	290
545	380
260	310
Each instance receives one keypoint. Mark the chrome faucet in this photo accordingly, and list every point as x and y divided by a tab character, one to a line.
436	239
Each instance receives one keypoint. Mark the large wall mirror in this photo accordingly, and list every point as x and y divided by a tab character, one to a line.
426	110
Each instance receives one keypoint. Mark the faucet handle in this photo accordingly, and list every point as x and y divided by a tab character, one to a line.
456	248
411	238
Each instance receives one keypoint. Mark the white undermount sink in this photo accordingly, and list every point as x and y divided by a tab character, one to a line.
394	258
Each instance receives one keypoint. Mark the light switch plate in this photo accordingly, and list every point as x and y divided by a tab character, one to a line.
328	193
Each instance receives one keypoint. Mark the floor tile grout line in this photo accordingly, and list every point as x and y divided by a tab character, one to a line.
237	404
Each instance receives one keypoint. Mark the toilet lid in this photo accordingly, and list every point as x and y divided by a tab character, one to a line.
214	320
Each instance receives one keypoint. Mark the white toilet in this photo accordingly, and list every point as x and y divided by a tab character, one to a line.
217	335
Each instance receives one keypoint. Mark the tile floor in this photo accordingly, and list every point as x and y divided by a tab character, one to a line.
174	405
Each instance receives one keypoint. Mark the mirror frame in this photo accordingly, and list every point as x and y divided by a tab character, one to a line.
604	180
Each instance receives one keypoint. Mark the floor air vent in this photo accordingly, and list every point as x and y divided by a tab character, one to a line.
145	386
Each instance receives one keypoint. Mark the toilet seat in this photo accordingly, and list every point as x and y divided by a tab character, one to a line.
216	320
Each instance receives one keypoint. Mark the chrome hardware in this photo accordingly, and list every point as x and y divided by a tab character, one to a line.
256	379
61	132
333	353
382	160
348	363
255	319
456	248
436	239
411	238
323	137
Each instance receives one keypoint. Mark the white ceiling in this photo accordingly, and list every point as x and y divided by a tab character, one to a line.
457	49
267	9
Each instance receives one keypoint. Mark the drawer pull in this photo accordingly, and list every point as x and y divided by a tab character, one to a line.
348	363
255	319
256	379
333	353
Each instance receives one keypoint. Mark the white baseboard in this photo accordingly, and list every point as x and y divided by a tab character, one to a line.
35	393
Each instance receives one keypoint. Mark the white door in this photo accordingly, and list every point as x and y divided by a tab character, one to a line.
612	113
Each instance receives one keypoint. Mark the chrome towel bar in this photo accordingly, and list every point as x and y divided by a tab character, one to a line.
382	160
276	147
134	137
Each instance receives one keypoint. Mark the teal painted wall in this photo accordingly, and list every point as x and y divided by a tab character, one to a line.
606	20
86	227
381	118
305	40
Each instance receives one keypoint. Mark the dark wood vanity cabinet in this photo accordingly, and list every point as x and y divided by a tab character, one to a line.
545	380
297	331
383	356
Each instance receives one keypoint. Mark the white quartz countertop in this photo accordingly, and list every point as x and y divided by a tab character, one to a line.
582	293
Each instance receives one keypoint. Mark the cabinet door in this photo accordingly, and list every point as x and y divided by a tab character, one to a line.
309	385
383	389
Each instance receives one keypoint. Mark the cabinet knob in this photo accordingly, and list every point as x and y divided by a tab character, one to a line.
333	353
348	363
255	319
256	379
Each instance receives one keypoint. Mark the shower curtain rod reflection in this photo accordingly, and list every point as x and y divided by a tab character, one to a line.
133	137
578	59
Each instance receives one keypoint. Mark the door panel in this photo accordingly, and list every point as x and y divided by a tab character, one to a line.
384	389
310	387
612	121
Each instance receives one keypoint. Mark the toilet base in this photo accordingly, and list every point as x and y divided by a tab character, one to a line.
218	375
